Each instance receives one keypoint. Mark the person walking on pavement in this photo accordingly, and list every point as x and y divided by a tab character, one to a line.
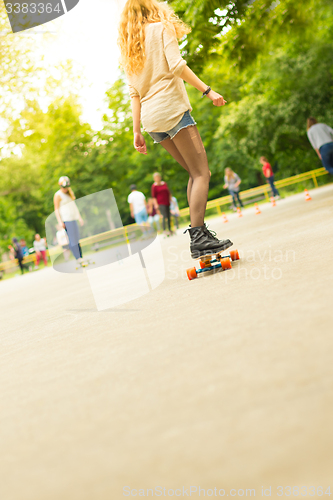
232	182
174	210
161	196
40	249
67	215
138	205
268	173
320	136
149	31
16	250
154	214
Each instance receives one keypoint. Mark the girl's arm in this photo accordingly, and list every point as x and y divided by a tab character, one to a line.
56	201
139	140
238	182
156	206
191	78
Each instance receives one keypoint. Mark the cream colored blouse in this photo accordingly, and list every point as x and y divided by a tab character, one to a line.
162	92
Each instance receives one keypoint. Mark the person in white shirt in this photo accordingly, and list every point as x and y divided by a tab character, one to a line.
67	215
40	249
320	136
138	205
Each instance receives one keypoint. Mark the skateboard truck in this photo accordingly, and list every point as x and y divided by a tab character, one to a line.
213	262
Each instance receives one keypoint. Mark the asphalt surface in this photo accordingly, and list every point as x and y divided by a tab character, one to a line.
223	382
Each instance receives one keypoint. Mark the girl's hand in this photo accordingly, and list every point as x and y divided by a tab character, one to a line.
139	143
81	221
216	98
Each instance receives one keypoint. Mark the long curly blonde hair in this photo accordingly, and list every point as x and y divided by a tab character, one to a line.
131	30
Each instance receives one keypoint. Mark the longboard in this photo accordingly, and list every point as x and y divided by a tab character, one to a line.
212	262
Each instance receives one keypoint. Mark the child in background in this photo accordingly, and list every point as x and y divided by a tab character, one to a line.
25	249
40	249
154	215
174	211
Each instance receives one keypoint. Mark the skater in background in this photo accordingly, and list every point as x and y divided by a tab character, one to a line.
174	210
149	31
232	182
268	173
320	136
40	249
68	216
154	214
162	197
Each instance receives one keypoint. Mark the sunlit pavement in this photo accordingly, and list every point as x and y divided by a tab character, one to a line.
224	381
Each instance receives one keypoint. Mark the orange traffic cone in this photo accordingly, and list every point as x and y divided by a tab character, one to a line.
257	209
273	201
225	218
239	212
307	195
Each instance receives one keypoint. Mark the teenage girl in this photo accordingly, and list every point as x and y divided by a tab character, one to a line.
148	40
232	182
67	215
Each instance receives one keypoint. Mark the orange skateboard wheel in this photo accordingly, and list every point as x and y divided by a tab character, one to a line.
234	255
204	264
191	273
226	263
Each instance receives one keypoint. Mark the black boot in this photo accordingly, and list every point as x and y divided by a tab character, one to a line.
204	242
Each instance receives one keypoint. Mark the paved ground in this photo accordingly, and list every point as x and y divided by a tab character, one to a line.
220	382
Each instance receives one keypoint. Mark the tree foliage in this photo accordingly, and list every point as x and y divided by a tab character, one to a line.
270	60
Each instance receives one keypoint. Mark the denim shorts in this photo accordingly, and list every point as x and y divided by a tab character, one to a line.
186	121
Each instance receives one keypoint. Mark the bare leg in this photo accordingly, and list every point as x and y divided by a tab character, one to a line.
171	148
189	144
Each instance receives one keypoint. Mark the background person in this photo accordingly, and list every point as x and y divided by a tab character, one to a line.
153	214
18	254
232	182
162	196
148	40
67	215
138	205
268	173
320	136
40	249
24	247
174	211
